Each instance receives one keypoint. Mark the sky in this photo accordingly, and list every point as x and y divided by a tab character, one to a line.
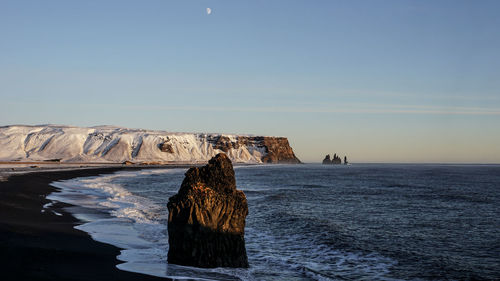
378	81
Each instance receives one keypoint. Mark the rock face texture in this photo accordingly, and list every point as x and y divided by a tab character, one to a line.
276	150
206	222
166	147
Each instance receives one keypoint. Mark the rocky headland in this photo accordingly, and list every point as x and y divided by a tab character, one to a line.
109	144
206	222
277	150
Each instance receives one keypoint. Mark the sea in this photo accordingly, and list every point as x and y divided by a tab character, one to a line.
313	221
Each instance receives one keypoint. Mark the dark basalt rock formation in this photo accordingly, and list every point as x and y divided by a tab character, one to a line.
224	143
327	159
335	160
206	221
166	147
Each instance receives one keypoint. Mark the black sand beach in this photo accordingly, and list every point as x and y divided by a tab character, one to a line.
36	245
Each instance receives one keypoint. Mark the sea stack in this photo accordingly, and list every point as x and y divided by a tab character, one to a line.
335	160
206	222
327	160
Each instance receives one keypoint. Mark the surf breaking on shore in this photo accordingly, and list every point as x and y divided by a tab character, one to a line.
119	209
111	214
41	243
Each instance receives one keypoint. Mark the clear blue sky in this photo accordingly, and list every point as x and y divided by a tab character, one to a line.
378	81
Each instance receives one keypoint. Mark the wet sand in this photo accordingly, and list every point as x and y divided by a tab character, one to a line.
36	245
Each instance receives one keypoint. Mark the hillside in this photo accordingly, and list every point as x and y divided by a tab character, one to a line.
116	145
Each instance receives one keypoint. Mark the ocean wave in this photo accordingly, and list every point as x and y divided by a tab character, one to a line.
136	221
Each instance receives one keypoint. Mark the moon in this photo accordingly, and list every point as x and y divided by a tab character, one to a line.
209	11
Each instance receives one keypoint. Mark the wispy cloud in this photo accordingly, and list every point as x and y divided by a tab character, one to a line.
349	108
361	109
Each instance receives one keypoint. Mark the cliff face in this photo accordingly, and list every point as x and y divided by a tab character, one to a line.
277	149
117	145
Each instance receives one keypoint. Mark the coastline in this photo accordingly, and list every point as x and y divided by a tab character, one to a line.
36	245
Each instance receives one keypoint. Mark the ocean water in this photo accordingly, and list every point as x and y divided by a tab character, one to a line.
314	222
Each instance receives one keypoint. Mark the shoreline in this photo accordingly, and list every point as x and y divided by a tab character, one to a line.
36	245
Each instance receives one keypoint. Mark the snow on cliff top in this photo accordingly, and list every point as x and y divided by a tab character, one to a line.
115	144
119	128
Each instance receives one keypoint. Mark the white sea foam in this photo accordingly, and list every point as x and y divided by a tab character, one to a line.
138	225
45	206
134	223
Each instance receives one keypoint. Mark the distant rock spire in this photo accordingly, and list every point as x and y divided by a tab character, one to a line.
327	159
336	159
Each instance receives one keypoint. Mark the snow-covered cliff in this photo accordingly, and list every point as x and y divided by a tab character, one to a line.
116	145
